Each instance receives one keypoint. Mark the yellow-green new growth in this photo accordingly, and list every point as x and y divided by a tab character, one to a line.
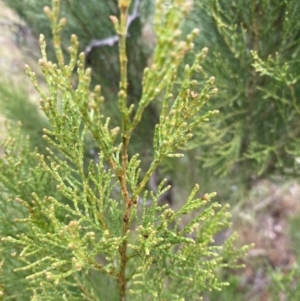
90	234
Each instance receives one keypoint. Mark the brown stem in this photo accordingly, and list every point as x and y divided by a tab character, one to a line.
123	6
126	217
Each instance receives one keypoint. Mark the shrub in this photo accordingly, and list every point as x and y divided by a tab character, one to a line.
76	230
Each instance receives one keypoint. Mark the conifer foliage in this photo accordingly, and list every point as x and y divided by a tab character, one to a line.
74	233
255	57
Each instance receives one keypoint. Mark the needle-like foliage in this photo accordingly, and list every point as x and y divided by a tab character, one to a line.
95	233
255	57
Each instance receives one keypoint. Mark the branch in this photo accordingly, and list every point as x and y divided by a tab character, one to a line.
112	40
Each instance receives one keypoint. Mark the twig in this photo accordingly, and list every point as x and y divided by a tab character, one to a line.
269	200
112	40
152	184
